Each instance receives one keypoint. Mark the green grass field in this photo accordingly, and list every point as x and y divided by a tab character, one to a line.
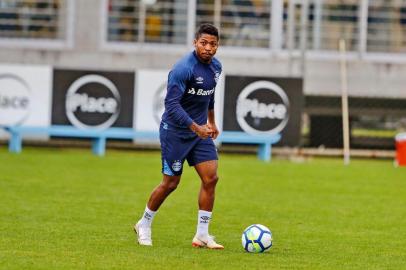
68	209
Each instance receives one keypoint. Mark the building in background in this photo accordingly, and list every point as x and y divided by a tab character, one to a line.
278	38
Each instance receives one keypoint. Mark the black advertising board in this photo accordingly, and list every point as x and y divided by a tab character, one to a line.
264	105
93	99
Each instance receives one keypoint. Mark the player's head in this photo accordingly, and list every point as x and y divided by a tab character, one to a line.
206	42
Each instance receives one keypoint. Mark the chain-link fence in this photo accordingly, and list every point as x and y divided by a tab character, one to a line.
374	122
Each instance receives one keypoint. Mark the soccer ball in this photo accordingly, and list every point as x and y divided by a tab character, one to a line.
256	238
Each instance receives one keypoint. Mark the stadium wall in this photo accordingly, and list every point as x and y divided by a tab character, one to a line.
374	77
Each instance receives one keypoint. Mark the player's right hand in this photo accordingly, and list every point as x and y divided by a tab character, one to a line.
203	131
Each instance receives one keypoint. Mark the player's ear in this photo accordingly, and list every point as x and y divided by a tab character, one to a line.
194	42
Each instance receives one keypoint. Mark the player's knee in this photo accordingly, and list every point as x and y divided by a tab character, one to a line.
172	185
214	179
211	181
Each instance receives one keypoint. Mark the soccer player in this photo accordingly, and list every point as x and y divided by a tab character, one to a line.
186	132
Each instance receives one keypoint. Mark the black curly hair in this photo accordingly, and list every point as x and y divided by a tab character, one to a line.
207	28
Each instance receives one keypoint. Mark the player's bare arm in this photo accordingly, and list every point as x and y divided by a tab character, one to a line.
211	123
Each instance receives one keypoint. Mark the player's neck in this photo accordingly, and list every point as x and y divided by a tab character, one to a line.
200	59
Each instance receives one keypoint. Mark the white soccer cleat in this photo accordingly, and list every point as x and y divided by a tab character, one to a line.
143	235
206	241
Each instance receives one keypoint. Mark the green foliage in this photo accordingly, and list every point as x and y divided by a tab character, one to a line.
68	209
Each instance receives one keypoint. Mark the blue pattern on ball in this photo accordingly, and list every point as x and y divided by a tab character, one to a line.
258	240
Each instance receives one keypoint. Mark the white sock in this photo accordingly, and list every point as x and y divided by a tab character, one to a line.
147	217
203	221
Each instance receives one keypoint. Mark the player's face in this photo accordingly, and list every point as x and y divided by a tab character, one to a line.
206	47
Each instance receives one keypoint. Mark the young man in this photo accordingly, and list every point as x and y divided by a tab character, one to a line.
187	131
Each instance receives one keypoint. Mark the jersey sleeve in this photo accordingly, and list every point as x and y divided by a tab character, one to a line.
211	102
177	82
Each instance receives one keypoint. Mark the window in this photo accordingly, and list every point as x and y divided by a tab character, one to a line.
339	20
386	26
327	22
147	21
243	23
33	19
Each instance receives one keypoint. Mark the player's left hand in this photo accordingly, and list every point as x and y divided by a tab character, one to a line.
215	132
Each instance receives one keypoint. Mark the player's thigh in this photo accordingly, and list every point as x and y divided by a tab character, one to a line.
204	158
204	150
207	171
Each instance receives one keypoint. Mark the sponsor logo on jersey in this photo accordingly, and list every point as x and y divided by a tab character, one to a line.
200	92
93	94
199	80
262	108
15	99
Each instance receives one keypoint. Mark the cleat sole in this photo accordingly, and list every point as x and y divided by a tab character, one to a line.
215	247
197	245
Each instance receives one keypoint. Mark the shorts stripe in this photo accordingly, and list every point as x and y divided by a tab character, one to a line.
166	170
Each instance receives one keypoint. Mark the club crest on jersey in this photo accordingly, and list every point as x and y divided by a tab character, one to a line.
176	166
199	80
200	92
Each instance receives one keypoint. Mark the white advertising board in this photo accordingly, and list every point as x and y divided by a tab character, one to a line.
25	96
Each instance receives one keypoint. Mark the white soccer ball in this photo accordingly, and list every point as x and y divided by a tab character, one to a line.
256	238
